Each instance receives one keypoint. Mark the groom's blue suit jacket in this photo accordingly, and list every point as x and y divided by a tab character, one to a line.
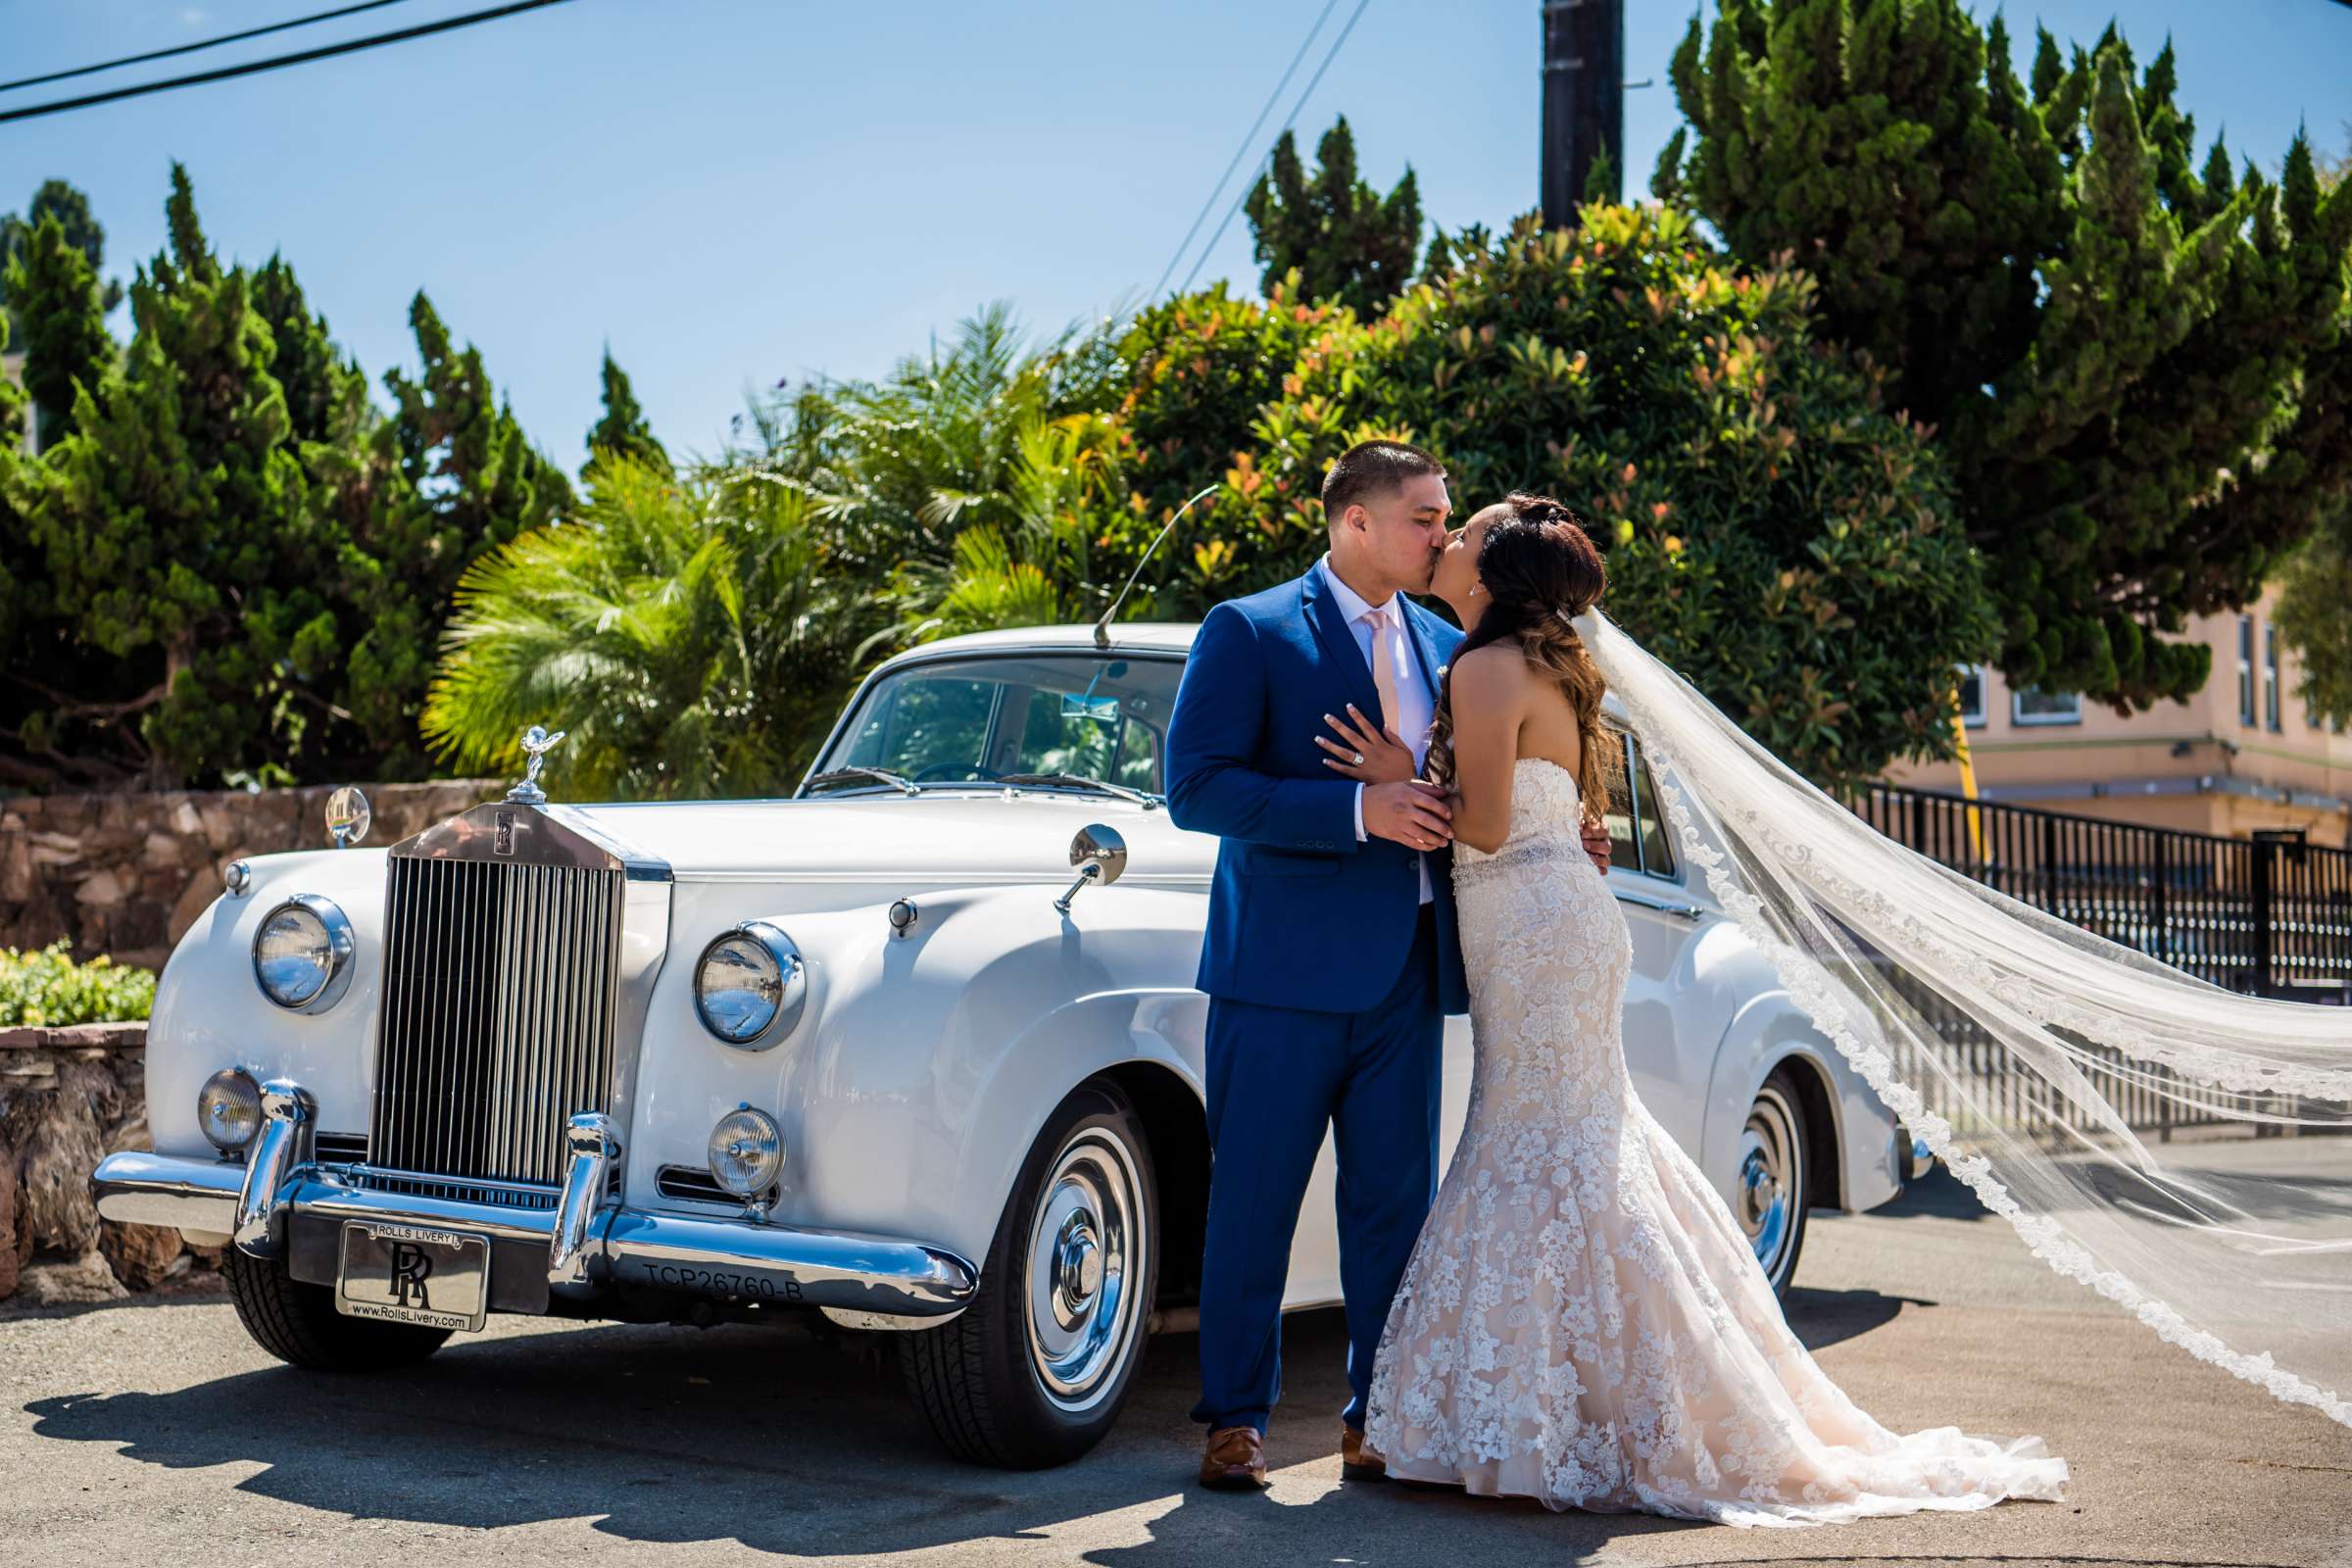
1300	915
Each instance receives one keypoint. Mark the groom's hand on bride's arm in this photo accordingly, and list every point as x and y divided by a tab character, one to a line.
1408	811
1596	843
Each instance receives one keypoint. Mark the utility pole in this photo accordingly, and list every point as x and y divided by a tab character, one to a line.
1584	101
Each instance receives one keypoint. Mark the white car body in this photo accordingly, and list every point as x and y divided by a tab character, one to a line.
925	1063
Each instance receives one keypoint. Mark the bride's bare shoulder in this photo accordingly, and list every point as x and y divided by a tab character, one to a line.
1495	673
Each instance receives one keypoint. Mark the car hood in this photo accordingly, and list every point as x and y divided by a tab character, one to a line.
942	839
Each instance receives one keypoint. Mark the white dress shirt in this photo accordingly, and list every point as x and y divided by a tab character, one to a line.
1416	703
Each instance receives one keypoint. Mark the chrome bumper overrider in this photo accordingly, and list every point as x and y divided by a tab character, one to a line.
592	1245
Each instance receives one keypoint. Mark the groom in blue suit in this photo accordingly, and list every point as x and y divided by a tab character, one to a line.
1331	956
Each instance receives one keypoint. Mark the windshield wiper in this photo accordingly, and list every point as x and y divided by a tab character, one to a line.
1079	781
863	775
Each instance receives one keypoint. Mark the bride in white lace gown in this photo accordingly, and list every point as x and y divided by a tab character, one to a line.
1583	1321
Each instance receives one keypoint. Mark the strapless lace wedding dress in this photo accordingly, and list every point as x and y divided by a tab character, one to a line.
1583	1321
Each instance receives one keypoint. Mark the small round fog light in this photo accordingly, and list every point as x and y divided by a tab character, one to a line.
229	1108
747	1151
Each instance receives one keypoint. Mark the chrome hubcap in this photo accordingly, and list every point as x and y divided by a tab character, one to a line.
1085	1266
1770	1178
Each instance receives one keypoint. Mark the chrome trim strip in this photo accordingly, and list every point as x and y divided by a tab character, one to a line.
139	1187
723	1260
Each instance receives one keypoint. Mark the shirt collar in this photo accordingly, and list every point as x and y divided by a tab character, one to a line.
1352	603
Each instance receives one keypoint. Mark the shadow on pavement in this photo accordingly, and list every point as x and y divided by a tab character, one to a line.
785	1443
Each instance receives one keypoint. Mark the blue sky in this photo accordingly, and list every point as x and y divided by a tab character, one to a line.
733	191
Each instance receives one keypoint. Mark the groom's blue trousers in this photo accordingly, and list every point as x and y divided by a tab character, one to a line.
1277	1078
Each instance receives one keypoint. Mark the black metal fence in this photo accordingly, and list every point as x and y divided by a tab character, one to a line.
2270	916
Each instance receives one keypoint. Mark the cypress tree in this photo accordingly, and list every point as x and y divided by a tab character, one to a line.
623	431
2132	357
54	296
174	520
1347	241
460	478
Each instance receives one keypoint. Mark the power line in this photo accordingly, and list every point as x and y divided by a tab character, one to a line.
1247	137
1242	194
191	48
275	62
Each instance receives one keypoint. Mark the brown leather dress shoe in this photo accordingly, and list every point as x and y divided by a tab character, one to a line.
1236	1459
1357	1462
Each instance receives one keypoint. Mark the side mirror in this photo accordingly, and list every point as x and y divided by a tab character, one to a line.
1099	854
347	816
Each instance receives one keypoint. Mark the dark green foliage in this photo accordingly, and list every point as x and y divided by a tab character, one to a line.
684	633
187	565
2136	367
1346	241
180	543
71	208
54	298
1769	528
623	431
460	478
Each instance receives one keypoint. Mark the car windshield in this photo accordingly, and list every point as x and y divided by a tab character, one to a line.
1088	716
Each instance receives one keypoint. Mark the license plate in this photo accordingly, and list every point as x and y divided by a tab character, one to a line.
414	1274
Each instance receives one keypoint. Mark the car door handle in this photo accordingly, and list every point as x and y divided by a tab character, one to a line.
1680	912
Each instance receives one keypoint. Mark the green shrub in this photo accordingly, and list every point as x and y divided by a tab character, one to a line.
49	988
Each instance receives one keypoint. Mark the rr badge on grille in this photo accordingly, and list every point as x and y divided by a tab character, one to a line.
504	843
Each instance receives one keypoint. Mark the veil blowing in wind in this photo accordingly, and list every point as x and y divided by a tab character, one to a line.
2010	1042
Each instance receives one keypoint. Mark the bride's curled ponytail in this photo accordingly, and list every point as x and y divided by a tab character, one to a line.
1541	571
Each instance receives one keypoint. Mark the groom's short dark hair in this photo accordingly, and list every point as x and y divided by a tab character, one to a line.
1371	469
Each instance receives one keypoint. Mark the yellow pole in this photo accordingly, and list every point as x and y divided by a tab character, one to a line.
1968	786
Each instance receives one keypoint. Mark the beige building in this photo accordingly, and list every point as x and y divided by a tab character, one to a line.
2240	755
11	365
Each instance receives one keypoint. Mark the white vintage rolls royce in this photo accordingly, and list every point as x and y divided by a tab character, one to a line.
917	1049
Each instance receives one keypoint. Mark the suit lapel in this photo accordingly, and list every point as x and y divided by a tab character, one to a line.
1339	641
1422	651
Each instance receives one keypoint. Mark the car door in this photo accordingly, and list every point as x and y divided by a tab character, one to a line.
1670	1032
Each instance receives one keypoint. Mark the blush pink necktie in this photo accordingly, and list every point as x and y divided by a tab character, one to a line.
1384	668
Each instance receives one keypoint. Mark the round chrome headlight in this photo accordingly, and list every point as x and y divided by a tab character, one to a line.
750	986
229	1108
747	1151
302	954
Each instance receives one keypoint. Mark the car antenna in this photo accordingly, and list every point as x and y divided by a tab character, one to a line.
1102	626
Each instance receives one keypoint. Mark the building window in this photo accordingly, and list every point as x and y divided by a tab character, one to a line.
2270	677
1972	696
2031	705
2245	670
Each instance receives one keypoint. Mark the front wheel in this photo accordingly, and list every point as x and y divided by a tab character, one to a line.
1035	1370
298	1322
1771	1190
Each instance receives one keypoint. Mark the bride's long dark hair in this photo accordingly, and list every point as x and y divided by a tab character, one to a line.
1540	568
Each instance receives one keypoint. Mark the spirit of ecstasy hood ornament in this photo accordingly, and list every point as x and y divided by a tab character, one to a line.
536	744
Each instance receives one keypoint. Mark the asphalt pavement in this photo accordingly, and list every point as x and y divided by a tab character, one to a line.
154	1431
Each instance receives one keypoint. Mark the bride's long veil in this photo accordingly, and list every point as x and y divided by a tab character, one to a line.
2013	1042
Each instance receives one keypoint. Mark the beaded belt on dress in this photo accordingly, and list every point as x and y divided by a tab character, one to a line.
1531	853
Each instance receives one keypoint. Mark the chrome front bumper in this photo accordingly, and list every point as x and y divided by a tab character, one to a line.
280	1203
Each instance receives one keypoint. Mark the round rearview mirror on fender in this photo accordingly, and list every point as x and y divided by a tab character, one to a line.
347	816
1099	853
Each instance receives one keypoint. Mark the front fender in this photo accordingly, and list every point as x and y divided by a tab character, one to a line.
926	1062
1771	1028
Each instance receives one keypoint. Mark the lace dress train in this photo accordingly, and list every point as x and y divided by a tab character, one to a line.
1583	1321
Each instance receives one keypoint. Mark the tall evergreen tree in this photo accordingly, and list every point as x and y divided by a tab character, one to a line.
2135	365
71	208
176	523
1347	241
460	478
623	431
53	294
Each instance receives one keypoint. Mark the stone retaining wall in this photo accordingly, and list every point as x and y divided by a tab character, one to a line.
127	874
68	1098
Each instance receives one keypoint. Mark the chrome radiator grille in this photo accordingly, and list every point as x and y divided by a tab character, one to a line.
497	1023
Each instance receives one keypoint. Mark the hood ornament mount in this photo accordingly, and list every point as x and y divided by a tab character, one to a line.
536	744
